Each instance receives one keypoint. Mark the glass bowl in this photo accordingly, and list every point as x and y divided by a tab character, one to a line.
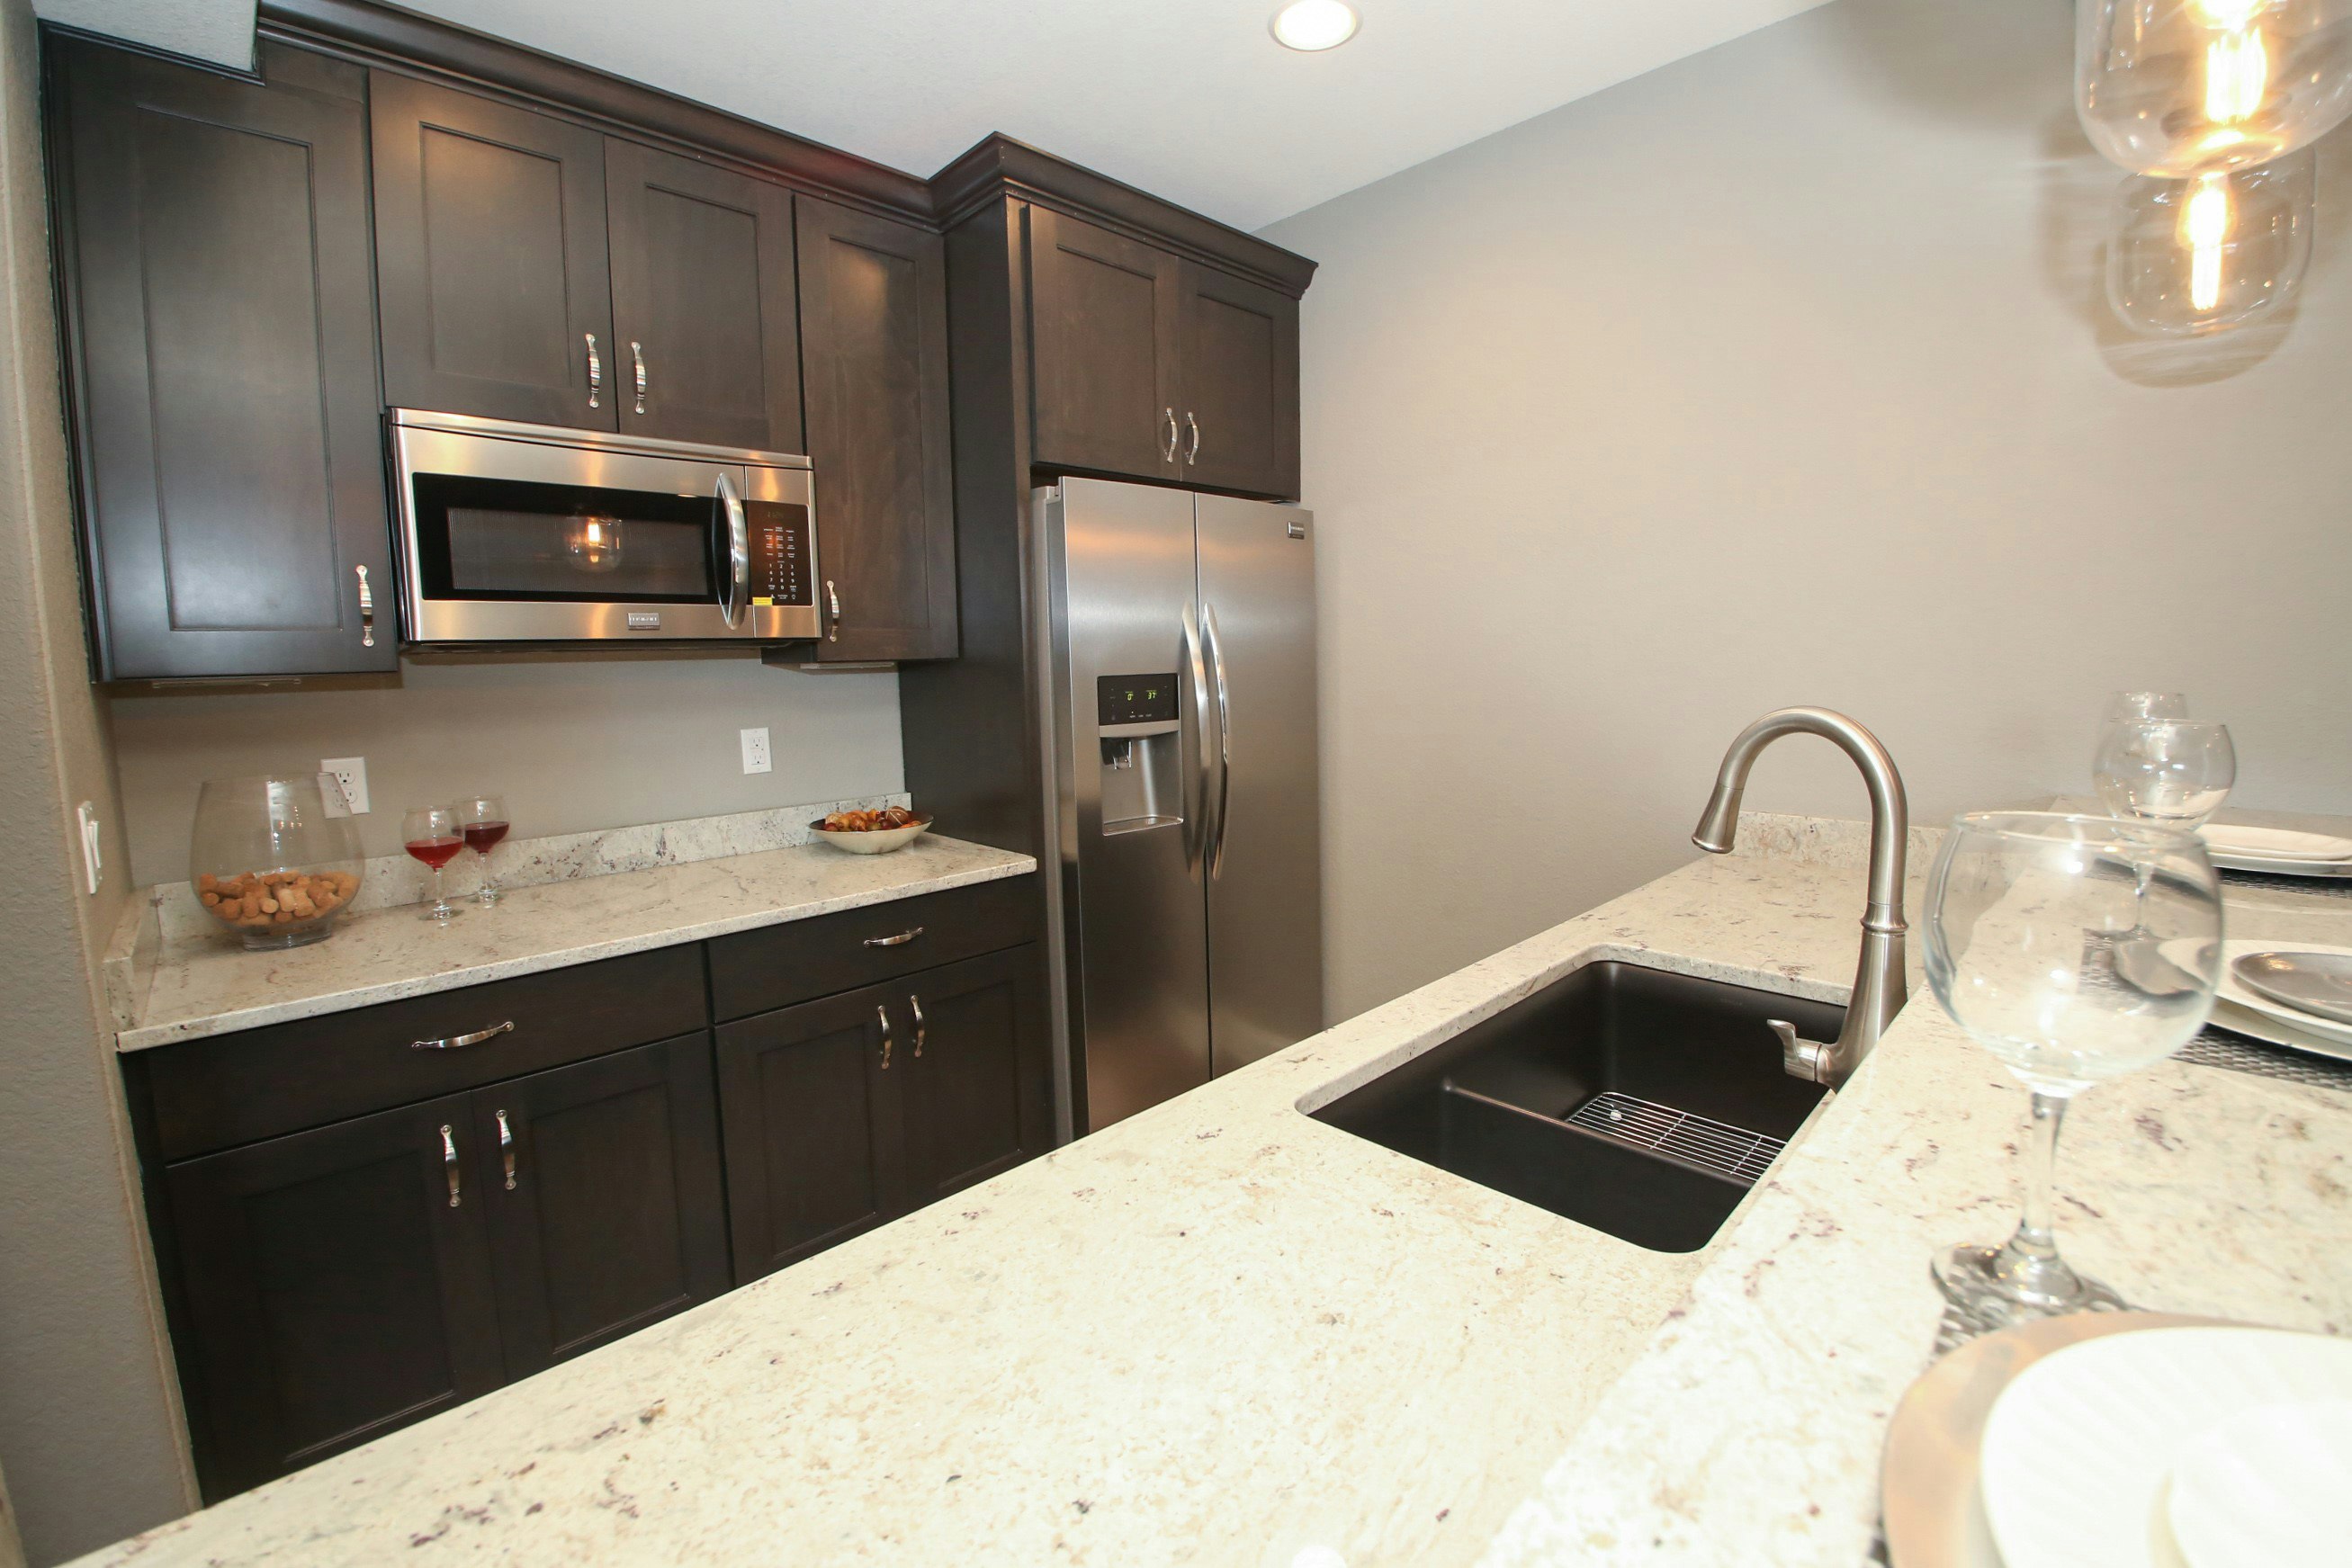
269	862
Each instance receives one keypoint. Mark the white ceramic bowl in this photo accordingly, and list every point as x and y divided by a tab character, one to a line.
876	840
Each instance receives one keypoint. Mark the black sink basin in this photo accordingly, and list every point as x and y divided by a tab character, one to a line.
1637	1102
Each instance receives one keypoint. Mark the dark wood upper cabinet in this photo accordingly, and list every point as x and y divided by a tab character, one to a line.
1103	312
1157	367
812	1142
703	301
490	259
337	1285
220	349
1238	358
874	355
602	1184
977	1090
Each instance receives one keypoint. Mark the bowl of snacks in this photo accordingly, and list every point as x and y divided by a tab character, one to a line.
268	861
872	832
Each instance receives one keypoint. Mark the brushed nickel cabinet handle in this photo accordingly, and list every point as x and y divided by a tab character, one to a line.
882	1013
1192	452
460	1041
638	352
900	940
833	602
367	609
922	1029
449	1160
1168	453
595	372
506	1148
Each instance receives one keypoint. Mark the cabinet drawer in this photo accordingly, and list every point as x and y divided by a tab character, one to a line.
777	965
234	1089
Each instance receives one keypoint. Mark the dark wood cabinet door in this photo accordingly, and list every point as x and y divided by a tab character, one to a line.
1103	320
221	348
874	355
601	1185
703	301
337	1285
976	1092
807	1099
1237	360
490	263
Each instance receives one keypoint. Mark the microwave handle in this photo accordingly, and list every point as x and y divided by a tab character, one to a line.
738	586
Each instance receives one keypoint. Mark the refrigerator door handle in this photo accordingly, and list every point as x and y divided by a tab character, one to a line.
1196	820
1215	645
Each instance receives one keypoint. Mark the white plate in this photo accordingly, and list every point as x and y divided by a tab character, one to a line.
2078	1448
2235	992
2274	844
2231	1017
2269	1488
2271	866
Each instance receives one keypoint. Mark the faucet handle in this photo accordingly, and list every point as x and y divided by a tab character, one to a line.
1803	1058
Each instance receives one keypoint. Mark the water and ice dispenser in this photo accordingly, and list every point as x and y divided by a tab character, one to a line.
1142	764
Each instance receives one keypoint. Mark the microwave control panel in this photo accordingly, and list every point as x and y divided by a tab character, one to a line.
781	572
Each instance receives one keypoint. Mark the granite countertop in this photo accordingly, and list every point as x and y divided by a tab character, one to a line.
206	984
1224	1332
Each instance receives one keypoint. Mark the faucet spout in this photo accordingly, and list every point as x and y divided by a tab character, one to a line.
1880	986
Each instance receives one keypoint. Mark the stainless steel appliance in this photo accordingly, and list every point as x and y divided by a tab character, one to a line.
1182	630
532	533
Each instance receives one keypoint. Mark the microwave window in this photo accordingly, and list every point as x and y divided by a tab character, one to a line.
506	540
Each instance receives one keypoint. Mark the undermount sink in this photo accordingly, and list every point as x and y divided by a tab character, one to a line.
1634	1101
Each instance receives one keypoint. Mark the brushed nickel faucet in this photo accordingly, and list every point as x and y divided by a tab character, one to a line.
1880	988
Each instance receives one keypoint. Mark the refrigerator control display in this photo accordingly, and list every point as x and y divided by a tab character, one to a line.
1135	699
780	573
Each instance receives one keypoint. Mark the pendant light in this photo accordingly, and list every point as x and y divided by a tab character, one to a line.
2180	88
2189	257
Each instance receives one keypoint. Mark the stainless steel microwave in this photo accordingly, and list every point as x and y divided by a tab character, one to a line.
533	533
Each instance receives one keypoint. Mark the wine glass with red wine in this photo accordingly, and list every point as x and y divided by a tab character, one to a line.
483	822
431	835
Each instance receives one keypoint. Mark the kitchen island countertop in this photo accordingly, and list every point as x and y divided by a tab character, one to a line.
1222	1331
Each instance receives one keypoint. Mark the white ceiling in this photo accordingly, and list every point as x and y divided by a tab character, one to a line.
1189	98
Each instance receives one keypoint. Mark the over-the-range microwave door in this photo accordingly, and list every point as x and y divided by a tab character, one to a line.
1129	699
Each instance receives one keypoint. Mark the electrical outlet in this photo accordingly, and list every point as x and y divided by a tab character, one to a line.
755	751
352	772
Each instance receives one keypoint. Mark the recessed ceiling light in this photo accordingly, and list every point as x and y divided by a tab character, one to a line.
1312	25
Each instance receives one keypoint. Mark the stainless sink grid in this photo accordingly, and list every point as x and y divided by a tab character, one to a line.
1717	1147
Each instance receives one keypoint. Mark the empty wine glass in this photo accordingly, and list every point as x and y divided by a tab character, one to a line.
2146	704
482	820
430	833
2175	771
2075	950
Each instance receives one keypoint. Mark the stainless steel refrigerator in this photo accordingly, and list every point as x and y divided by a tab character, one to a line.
1182	751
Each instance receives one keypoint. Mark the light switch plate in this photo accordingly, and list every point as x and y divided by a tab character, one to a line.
352	772
755	751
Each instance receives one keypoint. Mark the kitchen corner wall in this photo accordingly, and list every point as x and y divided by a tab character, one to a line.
1783	375
572	741
87	1422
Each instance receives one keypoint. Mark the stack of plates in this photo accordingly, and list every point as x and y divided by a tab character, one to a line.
2148	1446
2249	1012
2279	852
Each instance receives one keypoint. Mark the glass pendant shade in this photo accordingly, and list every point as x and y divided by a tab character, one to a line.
2187	258
2177	88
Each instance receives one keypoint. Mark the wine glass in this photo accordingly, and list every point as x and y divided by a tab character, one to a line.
2075	950
430	833
482	821
2146	704
2175	771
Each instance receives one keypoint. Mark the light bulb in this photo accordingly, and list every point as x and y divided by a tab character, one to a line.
2190	257
2181	88
1311	26
594	543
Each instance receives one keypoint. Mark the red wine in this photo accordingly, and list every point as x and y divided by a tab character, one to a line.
483	836
435	853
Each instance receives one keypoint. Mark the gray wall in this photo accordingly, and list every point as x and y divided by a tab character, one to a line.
88	1426
572	741
1782	375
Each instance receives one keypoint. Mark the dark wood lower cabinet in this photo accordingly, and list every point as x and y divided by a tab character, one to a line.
337	1284
601	1185
844	1112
